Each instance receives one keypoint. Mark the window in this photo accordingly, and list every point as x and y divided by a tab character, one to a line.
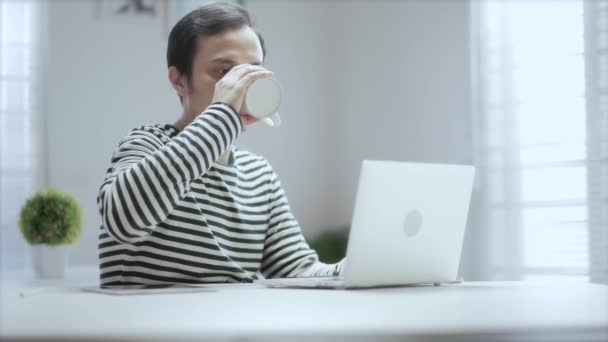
596	63
22	165
532	137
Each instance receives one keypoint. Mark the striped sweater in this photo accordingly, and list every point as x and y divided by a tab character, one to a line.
172	214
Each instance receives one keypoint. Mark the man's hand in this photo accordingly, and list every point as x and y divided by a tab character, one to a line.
231	89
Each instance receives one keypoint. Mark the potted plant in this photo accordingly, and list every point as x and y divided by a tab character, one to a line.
50	221
330	245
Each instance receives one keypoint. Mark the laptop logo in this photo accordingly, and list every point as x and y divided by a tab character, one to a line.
413	223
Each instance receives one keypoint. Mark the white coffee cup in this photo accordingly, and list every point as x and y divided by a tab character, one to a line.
263	100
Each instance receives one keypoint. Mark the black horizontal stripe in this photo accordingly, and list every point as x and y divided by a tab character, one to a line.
153	188
160	267
240	259
278	204
271	236
240	177
208	136
230	115
119	228
234	228
252	250
285	261
117	284
281	248
242	164
202	232
169	280
237	194
191	155
236	210
183	241
107	244
184	219
239	185
188	210
209	222
242	240
137	205
218	168
160	257
240	154
235	219
191	146
183	165
144	137
145	146
113	243
205	140
252	270
136	285
276	214
227	198
144	195
254	169
285	273
278	223
224	140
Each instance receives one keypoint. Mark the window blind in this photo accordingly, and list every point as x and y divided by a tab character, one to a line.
596	57
531	136
22	125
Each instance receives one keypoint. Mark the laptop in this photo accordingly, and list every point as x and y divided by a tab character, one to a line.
407	228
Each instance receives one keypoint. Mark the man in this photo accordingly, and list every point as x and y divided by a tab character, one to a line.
179	203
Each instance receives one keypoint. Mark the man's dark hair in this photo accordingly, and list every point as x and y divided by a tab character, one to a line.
208	20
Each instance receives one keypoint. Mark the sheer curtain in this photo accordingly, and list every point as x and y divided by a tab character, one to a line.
22	119
596	58
532	138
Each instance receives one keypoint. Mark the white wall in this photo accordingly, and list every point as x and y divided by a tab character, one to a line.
105	77
402	87
300	150
376	80
395	83
402	91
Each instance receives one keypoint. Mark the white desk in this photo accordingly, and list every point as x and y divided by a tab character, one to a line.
466	312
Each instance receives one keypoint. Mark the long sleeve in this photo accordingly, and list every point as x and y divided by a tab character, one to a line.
286	253
148	176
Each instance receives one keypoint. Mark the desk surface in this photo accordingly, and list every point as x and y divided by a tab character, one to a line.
254	312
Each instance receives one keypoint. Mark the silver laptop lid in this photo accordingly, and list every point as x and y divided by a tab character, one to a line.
408	223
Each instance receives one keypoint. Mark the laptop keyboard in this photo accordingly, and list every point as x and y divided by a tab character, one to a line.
311	282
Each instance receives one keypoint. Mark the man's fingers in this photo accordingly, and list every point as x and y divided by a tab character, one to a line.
252	76
232	87
240	71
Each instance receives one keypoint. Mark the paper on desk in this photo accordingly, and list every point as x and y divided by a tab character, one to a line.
147	291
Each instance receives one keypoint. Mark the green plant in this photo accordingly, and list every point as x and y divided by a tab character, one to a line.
330	245
51	217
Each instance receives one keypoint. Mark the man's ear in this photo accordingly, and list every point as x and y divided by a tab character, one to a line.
178	82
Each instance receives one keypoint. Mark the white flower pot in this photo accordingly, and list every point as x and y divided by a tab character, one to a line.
50	261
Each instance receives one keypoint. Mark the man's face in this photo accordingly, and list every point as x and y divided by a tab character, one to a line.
215	56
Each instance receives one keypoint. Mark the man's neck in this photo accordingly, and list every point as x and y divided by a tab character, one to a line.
225	157
182	123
